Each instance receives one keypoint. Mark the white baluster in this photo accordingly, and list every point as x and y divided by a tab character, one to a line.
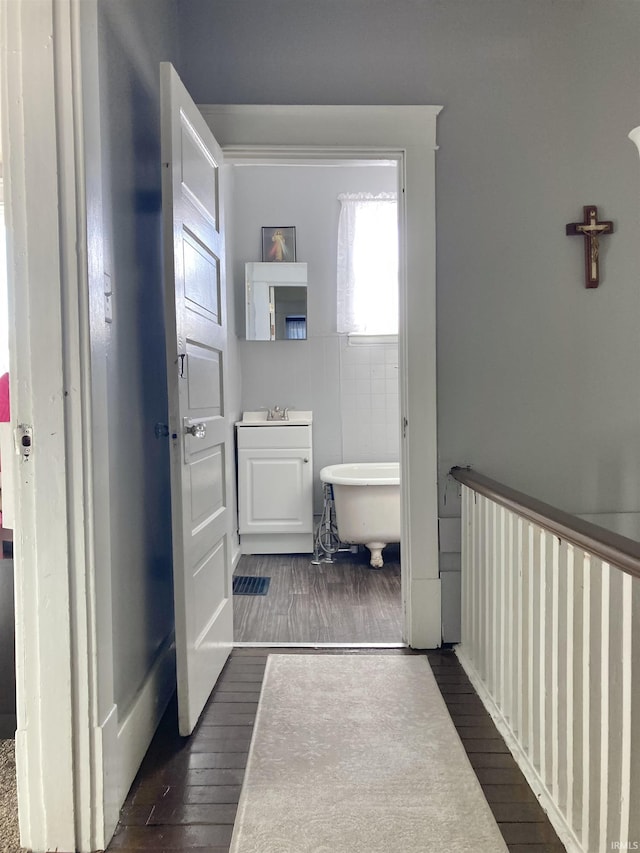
520	632
569	682
605	574
587	672
554	688
630	700
549	630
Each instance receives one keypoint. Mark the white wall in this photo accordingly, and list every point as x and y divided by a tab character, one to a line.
311	374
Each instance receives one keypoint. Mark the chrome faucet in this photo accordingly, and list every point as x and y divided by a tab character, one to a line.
278	414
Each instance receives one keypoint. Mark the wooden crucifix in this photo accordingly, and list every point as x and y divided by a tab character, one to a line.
591	230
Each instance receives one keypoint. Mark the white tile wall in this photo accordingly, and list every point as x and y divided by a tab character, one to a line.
369	402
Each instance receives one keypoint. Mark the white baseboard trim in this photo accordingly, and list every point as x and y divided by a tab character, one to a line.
276	543
125	742
556	817
426	616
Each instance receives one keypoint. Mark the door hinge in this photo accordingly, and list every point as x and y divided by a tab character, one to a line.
405	424
23	440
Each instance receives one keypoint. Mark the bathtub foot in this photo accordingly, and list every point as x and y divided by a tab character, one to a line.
376	554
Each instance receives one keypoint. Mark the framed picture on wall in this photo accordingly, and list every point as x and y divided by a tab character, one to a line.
279	243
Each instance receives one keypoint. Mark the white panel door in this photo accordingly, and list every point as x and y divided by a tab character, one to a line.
196	362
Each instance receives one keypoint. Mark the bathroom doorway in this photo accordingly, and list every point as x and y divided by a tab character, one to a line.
271	133
345	372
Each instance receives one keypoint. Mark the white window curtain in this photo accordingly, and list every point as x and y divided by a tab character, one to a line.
368	264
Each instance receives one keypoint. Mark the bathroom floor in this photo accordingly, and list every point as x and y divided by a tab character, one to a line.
341	602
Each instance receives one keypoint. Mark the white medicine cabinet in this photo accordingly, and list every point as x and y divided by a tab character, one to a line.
276	301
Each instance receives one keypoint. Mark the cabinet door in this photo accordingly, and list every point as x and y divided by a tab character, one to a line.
275	491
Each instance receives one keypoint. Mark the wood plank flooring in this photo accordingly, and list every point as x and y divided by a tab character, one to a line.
186	793
342	602
524	825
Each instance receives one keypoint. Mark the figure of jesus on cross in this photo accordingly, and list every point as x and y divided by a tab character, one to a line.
591	230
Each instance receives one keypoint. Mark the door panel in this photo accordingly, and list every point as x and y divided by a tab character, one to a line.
199	169
207	486
279	483
204	362
209	586
201	279
196	348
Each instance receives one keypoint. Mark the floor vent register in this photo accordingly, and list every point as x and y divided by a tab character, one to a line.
245	585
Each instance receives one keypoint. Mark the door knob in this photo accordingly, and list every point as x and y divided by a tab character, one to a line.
196	430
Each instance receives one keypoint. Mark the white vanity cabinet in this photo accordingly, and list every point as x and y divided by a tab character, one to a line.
275	487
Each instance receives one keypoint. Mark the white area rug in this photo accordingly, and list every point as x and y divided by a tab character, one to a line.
358	754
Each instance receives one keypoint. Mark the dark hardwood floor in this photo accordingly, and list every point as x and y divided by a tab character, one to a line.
342	602
186	793
524	825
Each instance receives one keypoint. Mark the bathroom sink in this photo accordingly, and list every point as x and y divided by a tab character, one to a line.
295	418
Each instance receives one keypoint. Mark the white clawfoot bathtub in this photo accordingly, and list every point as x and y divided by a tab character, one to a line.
367	500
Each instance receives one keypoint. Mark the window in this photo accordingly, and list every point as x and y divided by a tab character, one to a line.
296	327
368	264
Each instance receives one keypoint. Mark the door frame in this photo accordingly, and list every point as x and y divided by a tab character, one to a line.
407	133
48	63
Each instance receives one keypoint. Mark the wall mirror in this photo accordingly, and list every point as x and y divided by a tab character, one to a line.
276	301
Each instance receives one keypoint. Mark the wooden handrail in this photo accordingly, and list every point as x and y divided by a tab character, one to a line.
612	548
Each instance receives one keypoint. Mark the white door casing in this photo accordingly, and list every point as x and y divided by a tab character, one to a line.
271	133
196	367
45	50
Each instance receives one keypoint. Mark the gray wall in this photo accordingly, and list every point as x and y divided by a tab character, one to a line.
298	374
537	377
134	37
